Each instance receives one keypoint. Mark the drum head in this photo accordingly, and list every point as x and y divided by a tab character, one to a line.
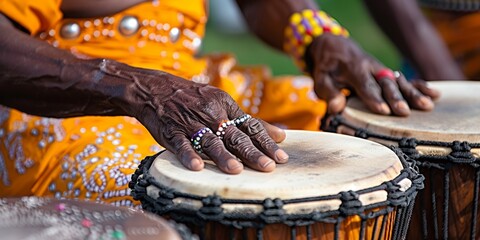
455	117
320	164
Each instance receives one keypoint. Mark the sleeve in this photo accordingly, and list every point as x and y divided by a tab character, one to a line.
34	15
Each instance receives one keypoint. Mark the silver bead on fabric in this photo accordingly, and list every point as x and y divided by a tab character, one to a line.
65	166
70	185
34	132
196	43
129	25
52	187
174	34
70	30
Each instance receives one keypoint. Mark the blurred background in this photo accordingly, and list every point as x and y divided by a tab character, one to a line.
226	32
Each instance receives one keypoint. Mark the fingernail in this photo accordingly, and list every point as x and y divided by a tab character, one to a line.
384	109
280	135
233	164
402	106
266	163
281	155
196	164
426	102
336	104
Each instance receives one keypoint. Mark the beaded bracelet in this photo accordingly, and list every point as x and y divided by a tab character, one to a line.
303	27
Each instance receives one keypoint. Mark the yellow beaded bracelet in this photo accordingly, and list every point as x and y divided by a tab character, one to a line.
303	27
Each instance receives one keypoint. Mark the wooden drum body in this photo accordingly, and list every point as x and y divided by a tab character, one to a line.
445	143
333	187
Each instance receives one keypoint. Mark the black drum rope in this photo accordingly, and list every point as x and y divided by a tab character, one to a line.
273	209
461	151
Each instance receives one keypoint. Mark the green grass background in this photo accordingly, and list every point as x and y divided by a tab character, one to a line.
350	13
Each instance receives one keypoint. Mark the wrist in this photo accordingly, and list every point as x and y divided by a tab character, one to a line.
106	87
303	28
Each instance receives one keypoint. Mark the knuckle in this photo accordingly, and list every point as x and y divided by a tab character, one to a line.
396	96
253	127
242	145
210	142
415	93
404	83
172	138
262	139
369	87
391	91
183	146
410	90
236	140
385	83
268	143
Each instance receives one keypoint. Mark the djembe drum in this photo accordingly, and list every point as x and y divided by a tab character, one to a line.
445	143
46	218
333	187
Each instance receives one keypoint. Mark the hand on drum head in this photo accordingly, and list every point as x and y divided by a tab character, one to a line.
337	62
196	120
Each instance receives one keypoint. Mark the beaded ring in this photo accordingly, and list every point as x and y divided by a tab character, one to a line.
303	27
397	74
223	126
239	120
386	73
197	138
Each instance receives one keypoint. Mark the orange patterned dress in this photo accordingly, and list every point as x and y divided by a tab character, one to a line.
94	157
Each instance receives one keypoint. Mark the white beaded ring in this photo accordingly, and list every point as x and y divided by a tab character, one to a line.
197	138
238	121
397	74
223	126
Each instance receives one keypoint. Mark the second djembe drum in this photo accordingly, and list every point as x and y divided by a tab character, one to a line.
445	144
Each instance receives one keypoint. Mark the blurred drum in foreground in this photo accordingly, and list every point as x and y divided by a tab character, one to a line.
45	218
446	145
333	187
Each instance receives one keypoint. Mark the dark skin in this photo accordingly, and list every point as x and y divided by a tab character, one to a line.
412	33
43	80
338	63
89	8
40	79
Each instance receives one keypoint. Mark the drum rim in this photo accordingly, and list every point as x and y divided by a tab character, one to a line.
458	152
272	209
378	125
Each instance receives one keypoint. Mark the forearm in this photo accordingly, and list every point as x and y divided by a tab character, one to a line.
410	31
40	79
268	18
94	8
